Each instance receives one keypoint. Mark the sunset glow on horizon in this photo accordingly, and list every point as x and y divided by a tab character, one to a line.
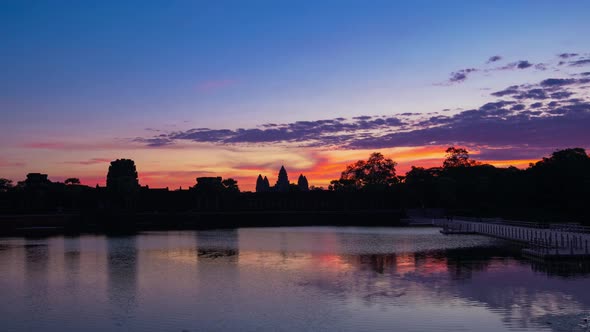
240	89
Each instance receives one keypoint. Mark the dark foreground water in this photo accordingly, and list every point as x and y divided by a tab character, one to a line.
285	279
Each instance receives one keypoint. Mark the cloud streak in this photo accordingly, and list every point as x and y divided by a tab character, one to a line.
309	133
569	59
580	62
461	75
92	161
539	116
521	64
494	58
6	163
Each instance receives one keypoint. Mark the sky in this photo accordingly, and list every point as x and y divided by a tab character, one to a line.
239	88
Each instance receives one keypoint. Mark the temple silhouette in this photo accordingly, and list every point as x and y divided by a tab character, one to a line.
367	193
282	184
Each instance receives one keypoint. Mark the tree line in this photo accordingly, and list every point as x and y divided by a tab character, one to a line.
555	188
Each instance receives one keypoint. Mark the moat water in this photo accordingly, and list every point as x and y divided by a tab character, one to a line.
285	279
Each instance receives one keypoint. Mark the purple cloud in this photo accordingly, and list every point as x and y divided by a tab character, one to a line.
561	95
541	66
475	128
461	75
511	90
154	141
536	115
328	131
521	64
494	58
518	107
567	55
549	88
580	63
538	94
551	82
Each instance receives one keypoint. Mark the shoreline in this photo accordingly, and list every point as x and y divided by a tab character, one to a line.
73	223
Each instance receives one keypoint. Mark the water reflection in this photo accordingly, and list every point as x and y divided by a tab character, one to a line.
218	244
36	277
122	277
71	262
345	279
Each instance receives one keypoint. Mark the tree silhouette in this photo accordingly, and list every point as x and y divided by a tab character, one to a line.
566	160
215	184
344	185
230	185
561	181
457	157
5	184
72	181
377	172
421	185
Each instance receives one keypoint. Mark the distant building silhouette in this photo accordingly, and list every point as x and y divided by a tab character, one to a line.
266	184
262	184
36	180
122	176
209	183
302	183
282	184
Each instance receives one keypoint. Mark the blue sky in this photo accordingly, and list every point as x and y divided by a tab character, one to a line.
105	71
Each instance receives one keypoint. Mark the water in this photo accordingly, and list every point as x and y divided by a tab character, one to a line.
284	279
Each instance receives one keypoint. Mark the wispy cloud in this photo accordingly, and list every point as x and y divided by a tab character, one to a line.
91	161
461	75
7	163
567	55
540	115
158	141
580	62
63	145
521	64
569	59
309	133
494	58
